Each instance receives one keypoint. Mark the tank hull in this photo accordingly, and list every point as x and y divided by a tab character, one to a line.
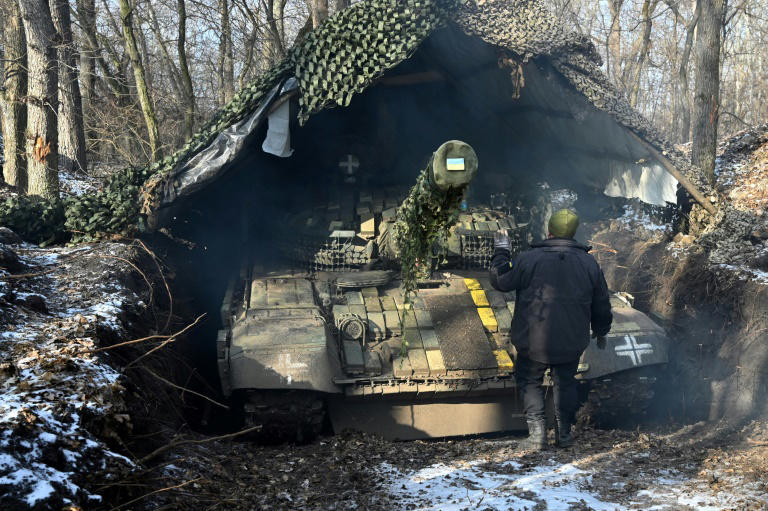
422	418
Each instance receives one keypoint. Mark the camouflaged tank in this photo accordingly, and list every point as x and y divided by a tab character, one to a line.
328	332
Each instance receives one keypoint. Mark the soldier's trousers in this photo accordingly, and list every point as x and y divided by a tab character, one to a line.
530	376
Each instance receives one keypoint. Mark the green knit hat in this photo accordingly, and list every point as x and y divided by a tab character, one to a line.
563	223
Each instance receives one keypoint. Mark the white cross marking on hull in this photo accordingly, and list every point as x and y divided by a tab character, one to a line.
633	350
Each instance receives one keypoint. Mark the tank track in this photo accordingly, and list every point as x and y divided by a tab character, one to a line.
284	415
619	400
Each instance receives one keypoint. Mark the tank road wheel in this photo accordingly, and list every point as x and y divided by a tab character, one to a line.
619	400
284	416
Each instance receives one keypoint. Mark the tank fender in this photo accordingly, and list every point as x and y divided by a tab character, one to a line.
257	360
634	341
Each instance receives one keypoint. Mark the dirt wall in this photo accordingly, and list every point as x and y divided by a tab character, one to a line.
717	317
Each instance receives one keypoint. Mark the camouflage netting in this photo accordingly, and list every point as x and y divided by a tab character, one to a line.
423	222
344	56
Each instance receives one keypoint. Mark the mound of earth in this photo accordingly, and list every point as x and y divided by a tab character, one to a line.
62	409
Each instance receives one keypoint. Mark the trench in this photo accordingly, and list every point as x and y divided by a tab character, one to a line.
542	133
715	322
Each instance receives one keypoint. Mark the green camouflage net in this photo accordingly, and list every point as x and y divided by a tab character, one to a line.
349	52
423	222
35	219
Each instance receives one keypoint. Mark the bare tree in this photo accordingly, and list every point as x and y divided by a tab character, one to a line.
126	15
682	99
42	99
86	11
634	71
186	79
71	128
318	10
274	50
613	41
13	89
226	55
706	98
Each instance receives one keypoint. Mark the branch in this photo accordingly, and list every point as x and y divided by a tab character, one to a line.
164	448
154	492
742	121
148	338
183	389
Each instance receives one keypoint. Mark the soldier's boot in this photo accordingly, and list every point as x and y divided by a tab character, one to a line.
537	436
563	435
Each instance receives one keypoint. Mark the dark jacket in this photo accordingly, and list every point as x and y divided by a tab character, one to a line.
561	291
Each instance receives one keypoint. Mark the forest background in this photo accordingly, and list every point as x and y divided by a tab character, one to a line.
90	86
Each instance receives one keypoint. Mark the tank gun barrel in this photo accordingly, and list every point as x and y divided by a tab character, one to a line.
433	205
441	186
452	167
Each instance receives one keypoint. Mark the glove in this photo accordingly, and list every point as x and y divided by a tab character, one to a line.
501	239
600	340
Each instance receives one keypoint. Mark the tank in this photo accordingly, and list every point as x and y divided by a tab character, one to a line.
336	331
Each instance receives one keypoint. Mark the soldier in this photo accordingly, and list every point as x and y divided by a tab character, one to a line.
561	290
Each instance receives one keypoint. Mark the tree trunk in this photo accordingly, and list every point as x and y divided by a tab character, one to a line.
226	56
274	49
86	10
114	78
613	53
126	14
42	99
12	106
71	128
637	71
318	11
186	79
682	99
340	5
706	98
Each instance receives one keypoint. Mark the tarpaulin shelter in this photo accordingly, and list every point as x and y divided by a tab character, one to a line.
396	77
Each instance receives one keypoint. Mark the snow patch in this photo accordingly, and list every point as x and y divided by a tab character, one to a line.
478	484
636	218
473	485
53	376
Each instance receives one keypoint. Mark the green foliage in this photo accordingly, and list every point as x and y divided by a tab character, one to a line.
115	209
423	222
34	218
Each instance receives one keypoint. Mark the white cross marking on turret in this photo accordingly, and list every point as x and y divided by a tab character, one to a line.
633	350
350	164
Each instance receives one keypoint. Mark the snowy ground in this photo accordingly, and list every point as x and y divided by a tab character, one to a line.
58	399
555	485
688	469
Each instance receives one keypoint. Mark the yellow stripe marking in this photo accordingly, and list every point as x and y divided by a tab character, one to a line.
488	318
503	360
472	284
480	298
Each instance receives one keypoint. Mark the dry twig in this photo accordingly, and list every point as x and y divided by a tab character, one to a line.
148	338
165	282
154	492
173	444
179	387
